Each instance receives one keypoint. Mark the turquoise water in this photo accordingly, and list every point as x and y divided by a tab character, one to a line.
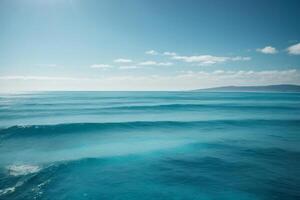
149	145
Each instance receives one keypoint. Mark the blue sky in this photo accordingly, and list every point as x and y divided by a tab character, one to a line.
147	45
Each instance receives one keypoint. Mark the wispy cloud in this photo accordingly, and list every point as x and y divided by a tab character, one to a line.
154	63
267	50
239	58
101	66
122	60
208	59
169	53
294	49
151	52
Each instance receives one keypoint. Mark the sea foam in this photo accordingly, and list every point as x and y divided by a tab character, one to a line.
19	170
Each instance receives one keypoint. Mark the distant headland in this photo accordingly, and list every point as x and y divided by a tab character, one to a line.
265	88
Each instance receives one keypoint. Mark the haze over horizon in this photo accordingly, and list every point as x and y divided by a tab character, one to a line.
146	45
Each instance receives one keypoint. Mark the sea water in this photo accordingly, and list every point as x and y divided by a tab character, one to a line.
149	145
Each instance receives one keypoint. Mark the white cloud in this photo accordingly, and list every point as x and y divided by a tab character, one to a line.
164	64
147	63
169	53
239	58
122	60
154	63
151	52
294	49
208	59
267	50
101	66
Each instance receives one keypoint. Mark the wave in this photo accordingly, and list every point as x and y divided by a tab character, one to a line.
21	177
195	106
19	170
12	189
73	128
179	106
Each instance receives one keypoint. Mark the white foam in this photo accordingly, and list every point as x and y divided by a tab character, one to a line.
7	190
18	170
10	189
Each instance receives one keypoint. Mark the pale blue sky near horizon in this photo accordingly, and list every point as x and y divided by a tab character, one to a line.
122	45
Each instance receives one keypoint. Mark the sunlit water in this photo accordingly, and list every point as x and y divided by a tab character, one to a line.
149	145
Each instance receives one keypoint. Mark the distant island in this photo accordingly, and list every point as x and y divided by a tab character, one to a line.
266	88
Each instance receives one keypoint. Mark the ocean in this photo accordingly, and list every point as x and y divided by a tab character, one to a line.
150	145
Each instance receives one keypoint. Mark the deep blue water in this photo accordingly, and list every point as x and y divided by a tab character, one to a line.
150	145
